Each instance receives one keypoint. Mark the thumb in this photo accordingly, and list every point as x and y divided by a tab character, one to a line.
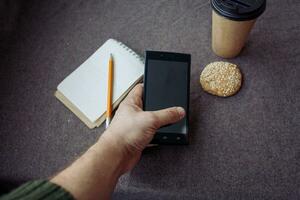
169	115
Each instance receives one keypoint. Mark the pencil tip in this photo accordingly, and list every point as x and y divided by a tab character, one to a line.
111	56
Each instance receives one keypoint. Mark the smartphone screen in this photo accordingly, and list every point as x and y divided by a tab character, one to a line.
167	85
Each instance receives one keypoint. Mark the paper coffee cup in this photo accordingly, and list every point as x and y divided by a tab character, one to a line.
232	21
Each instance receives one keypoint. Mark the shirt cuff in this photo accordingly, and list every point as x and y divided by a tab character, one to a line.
41	189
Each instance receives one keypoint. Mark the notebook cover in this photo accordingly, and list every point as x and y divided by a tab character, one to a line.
84	90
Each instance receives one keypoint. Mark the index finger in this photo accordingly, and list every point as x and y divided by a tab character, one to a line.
135	93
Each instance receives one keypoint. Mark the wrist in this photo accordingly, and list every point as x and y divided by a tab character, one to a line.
113	150
95	173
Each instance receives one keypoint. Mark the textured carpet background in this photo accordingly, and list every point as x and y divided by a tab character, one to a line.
243	147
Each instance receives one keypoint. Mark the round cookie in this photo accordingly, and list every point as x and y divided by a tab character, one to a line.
221	78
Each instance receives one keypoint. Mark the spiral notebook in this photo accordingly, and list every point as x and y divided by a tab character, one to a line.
84	90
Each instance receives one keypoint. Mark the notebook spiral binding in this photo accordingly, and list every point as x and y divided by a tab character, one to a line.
132	52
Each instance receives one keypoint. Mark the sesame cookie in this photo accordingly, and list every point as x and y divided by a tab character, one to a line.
221	78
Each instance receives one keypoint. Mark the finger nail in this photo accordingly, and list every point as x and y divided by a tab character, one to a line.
181	112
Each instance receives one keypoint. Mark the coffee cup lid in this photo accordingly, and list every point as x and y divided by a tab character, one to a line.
239	10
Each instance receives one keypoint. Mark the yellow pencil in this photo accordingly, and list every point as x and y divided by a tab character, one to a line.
109	91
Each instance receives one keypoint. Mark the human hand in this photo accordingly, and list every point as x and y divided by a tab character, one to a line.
132	129
95	174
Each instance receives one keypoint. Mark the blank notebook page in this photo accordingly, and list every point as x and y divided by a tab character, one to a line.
86	87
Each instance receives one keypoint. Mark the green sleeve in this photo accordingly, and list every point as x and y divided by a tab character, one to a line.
41	189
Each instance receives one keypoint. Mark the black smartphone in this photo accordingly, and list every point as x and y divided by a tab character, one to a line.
167	84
